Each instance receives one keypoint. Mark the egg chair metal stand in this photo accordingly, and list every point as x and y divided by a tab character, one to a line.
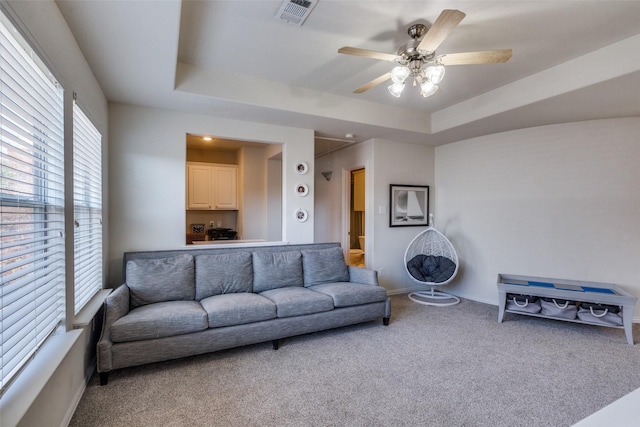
431	260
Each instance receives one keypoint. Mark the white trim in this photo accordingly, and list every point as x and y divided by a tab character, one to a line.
88	312
75	402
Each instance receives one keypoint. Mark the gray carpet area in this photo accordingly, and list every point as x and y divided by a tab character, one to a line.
432	366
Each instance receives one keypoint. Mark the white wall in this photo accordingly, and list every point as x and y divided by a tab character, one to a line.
147	176
558	201
404	164
274	199
252	185
386	163
330	203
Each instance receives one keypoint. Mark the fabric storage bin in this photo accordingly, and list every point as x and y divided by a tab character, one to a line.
524	303
562	309
600	313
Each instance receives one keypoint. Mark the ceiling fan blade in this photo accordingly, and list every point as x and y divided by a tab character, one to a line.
445	23
373	83
482	57
367	53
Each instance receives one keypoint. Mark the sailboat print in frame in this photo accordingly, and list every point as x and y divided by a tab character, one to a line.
409	205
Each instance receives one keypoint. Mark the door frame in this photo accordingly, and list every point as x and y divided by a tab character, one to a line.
346	210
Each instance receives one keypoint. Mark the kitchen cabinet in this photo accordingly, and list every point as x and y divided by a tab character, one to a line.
212	187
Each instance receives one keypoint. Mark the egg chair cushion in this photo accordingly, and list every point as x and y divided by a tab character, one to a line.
431	269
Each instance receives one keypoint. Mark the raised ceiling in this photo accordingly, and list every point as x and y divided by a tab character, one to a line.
572	61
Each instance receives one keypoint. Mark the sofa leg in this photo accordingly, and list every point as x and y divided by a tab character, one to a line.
104	378
276	344
385	321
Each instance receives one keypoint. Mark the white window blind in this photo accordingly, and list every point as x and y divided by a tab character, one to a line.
87	208
32	282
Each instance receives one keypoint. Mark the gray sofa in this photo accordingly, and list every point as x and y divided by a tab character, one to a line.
185	302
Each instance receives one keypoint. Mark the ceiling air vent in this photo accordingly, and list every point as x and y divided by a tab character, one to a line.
296	11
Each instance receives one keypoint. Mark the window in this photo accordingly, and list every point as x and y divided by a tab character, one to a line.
32	281
87	208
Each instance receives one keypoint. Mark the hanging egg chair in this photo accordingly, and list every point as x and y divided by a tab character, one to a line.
431	260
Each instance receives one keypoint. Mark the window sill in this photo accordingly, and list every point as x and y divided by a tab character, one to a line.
88	312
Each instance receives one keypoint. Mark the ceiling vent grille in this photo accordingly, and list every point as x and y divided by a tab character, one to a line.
296	11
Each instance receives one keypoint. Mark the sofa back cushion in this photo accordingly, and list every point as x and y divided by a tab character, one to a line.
223	274
160	279
272	270
324	266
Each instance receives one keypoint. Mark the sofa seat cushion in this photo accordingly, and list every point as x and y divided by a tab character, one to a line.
162	319
223	274
298	301
161	279
237	309
345	294
272	270
324	266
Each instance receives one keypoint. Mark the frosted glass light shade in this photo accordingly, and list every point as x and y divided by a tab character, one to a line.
396	89
428	88
400	73
435	73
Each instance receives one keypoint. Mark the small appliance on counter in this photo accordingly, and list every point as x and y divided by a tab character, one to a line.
222	234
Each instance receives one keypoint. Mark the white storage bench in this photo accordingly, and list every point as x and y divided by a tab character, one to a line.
569	290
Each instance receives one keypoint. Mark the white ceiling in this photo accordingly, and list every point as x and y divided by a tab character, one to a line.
572	60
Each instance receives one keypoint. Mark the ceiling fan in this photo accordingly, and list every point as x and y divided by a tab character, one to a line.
418	59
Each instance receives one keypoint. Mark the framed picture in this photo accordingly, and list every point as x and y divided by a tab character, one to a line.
302	190
409	205
197	228
302	168
302	215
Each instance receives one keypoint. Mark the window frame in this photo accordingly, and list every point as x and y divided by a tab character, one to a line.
32	178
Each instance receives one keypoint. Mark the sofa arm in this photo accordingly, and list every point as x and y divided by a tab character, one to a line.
116	306
366	276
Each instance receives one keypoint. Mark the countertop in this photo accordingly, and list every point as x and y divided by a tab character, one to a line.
228	242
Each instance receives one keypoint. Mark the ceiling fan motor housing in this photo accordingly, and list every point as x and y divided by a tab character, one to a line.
416	31
409	51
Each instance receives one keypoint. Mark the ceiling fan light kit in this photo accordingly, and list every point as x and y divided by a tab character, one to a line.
417	58
396	89
427	88
435	73
400	73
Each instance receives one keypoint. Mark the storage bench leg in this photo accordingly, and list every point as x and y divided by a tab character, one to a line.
502	302
627	321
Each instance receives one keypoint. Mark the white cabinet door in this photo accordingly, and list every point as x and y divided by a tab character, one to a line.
212	187
199	187
225	187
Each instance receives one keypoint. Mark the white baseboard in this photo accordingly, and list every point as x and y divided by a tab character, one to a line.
74	404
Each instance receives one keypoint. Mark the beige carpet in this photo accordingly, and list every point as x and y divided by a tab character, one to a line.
432	366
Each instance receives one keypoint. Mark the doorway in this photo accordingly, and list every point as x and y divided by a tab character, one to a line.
357	218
